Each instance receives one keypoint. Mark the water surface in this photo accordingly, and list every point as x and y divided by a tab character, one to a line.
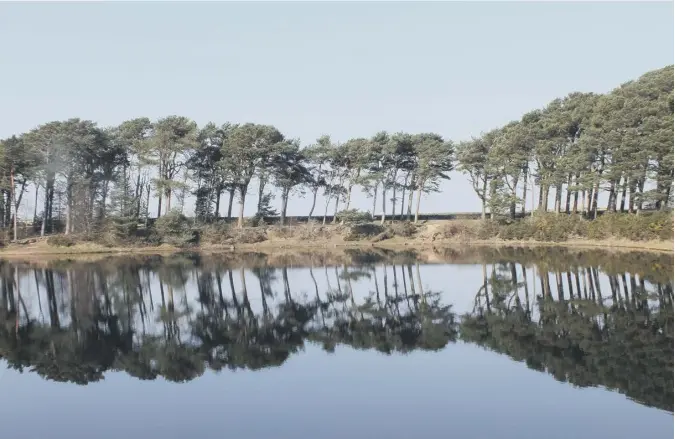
475	344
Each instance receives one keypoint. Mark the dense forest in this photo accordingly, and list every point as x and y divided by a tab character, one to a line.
573	150
177	317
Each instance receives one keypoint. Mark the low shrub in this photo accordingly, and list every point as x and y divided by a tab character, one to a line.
216	233
403	229
488	229
247	235
556	228
174	228
643	227
358	232
61	241
354	216
518	231
459	229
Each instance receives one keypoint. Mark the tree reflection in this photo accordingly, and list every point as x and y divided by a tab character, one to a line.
582	335
175	317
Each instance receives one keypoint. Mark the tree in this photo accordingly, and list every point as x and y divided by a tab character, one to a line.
18	167
289	171
396	157
378	158
435	160
472	157
174	137
355	154
508	160
317	165
134	137
248	146
46	141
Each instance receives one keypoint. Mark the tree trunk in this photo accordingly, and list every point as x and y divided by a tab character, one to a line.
311	211
622	206
384	203
393	202
7	220
669	188
325	212
584	202
49	195
594	206
37	191
242	200
337	204
14	203
575	208
483	200
2	207
417	208
138	193
568	194
261	190
229	203
167	196
349	197
219	192
411	194
641	188
284	203
558	198
402	203
589	201
374	200
69	205
159	204
611	200
544	201
541	198
522	211
104	198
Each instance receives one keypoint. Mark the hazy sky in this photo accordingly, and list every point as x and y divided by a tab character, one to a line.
344	69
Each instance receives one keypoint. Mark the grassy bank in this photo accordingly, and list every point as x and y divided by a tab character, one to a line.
648	232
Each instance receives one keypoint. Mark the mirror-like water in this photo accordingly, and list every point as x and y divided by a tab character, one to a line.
474	344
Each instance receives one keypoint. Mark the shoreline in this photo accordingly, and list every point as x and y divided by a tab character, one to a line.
41	249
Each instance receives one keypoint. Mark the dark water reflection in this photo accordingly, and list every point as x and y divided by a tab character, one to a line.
588	319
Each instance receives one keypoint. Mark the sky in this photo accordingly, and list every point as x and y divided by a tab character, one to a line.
346	69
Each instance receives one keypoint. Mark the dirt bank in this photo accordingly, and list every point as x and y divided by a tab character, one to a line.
40	249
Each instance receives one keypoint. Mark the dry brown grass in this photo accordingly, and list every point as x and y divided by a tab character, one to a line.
313	237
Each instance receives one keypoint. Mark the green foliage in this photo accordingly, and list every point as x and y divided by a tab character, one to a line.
174	229
654	226
265	211
557	228
354	216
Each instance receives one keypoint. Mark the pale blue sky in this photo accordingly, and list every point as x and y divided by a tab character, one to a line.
345	69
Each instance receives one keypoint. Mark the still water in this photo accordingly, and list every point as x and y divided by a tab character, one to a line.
478	343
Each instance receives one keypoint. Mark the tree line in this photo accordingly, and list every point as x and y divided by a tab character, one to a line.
578	147
104	316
